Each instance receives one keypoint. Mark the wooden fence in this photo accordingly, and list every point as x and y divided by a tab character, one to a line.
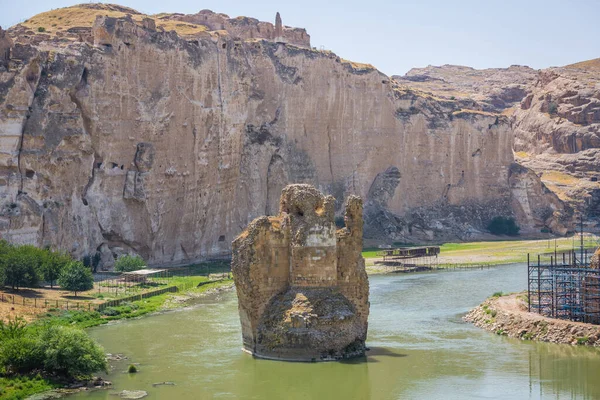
136	297
45	303
88	305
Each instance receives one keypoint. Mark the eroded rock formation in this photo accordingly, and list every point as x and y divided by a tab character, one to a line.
557	133
125	136
492	89
303	292
555	115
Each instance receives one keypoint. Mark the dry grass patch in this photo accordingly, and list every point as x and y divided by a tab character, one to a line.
65	18
11	311
589	64
61	19
522	154
559	178
182	28
358	66
478	112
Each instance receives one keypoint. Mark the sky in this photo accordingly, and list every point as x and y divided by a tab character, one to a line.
395	36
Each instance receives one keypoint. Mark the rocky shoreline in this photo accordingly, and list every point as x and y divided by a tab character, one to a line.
508	316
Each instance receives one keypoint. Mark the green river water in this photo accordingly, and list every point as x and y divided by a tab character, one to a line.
420	349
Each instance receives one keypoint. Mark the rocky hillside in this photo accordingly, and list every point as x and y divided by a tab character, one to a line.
117	135
555	115
557	133
492	89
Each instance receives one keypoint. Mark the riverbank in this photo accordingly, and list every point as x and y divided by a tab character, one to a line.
477	254
507	315
20	387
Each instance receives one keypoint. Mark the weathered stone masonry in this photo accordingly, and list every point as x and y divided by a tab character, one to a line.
302	286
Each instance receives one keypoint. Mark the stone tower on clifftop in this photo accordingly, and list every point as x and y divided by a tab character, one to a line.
278	28
303	292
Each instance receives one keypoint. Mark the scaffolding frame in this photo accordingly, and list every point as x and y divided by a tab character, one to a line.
564	286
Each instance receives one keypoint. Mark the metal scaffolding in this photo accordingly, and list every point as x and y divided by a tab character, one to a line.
563	285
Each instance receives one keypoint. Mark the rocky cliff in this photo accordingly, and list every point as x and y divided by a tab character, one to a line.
555	115
557	131
125	137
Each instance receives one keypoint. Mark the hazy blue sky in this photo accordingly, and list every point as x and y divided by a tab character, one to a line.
397	35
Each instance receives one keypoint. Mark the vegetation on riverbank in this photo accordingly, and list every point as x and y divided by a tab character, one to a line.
21	387
194	282
498	252
37	357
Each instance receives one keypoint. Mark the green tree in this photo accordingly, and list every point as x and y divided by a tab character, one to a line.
21	266
76	277
128	263
71	352
52	265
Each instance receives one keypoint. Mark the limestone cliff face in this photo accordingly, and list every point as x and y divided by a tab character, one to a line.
555	115
303	292
129	139
557	130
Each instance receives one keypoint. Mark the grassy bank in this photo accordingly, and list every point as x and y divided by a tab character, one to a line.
134	309
21	386
497	252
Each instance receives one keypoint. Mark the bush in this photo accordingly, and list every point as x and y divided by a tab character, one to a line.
14	328
503	226
132	369
59	350
552	108
41	29
76	277
111	312
128	263
21	354
71	352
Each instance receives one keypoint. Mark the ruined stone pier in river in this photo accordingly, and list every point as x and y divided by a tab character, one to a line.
302	288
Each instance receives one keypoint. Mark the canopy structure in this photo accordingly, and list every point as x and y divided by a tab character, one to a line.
145	272
142	274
